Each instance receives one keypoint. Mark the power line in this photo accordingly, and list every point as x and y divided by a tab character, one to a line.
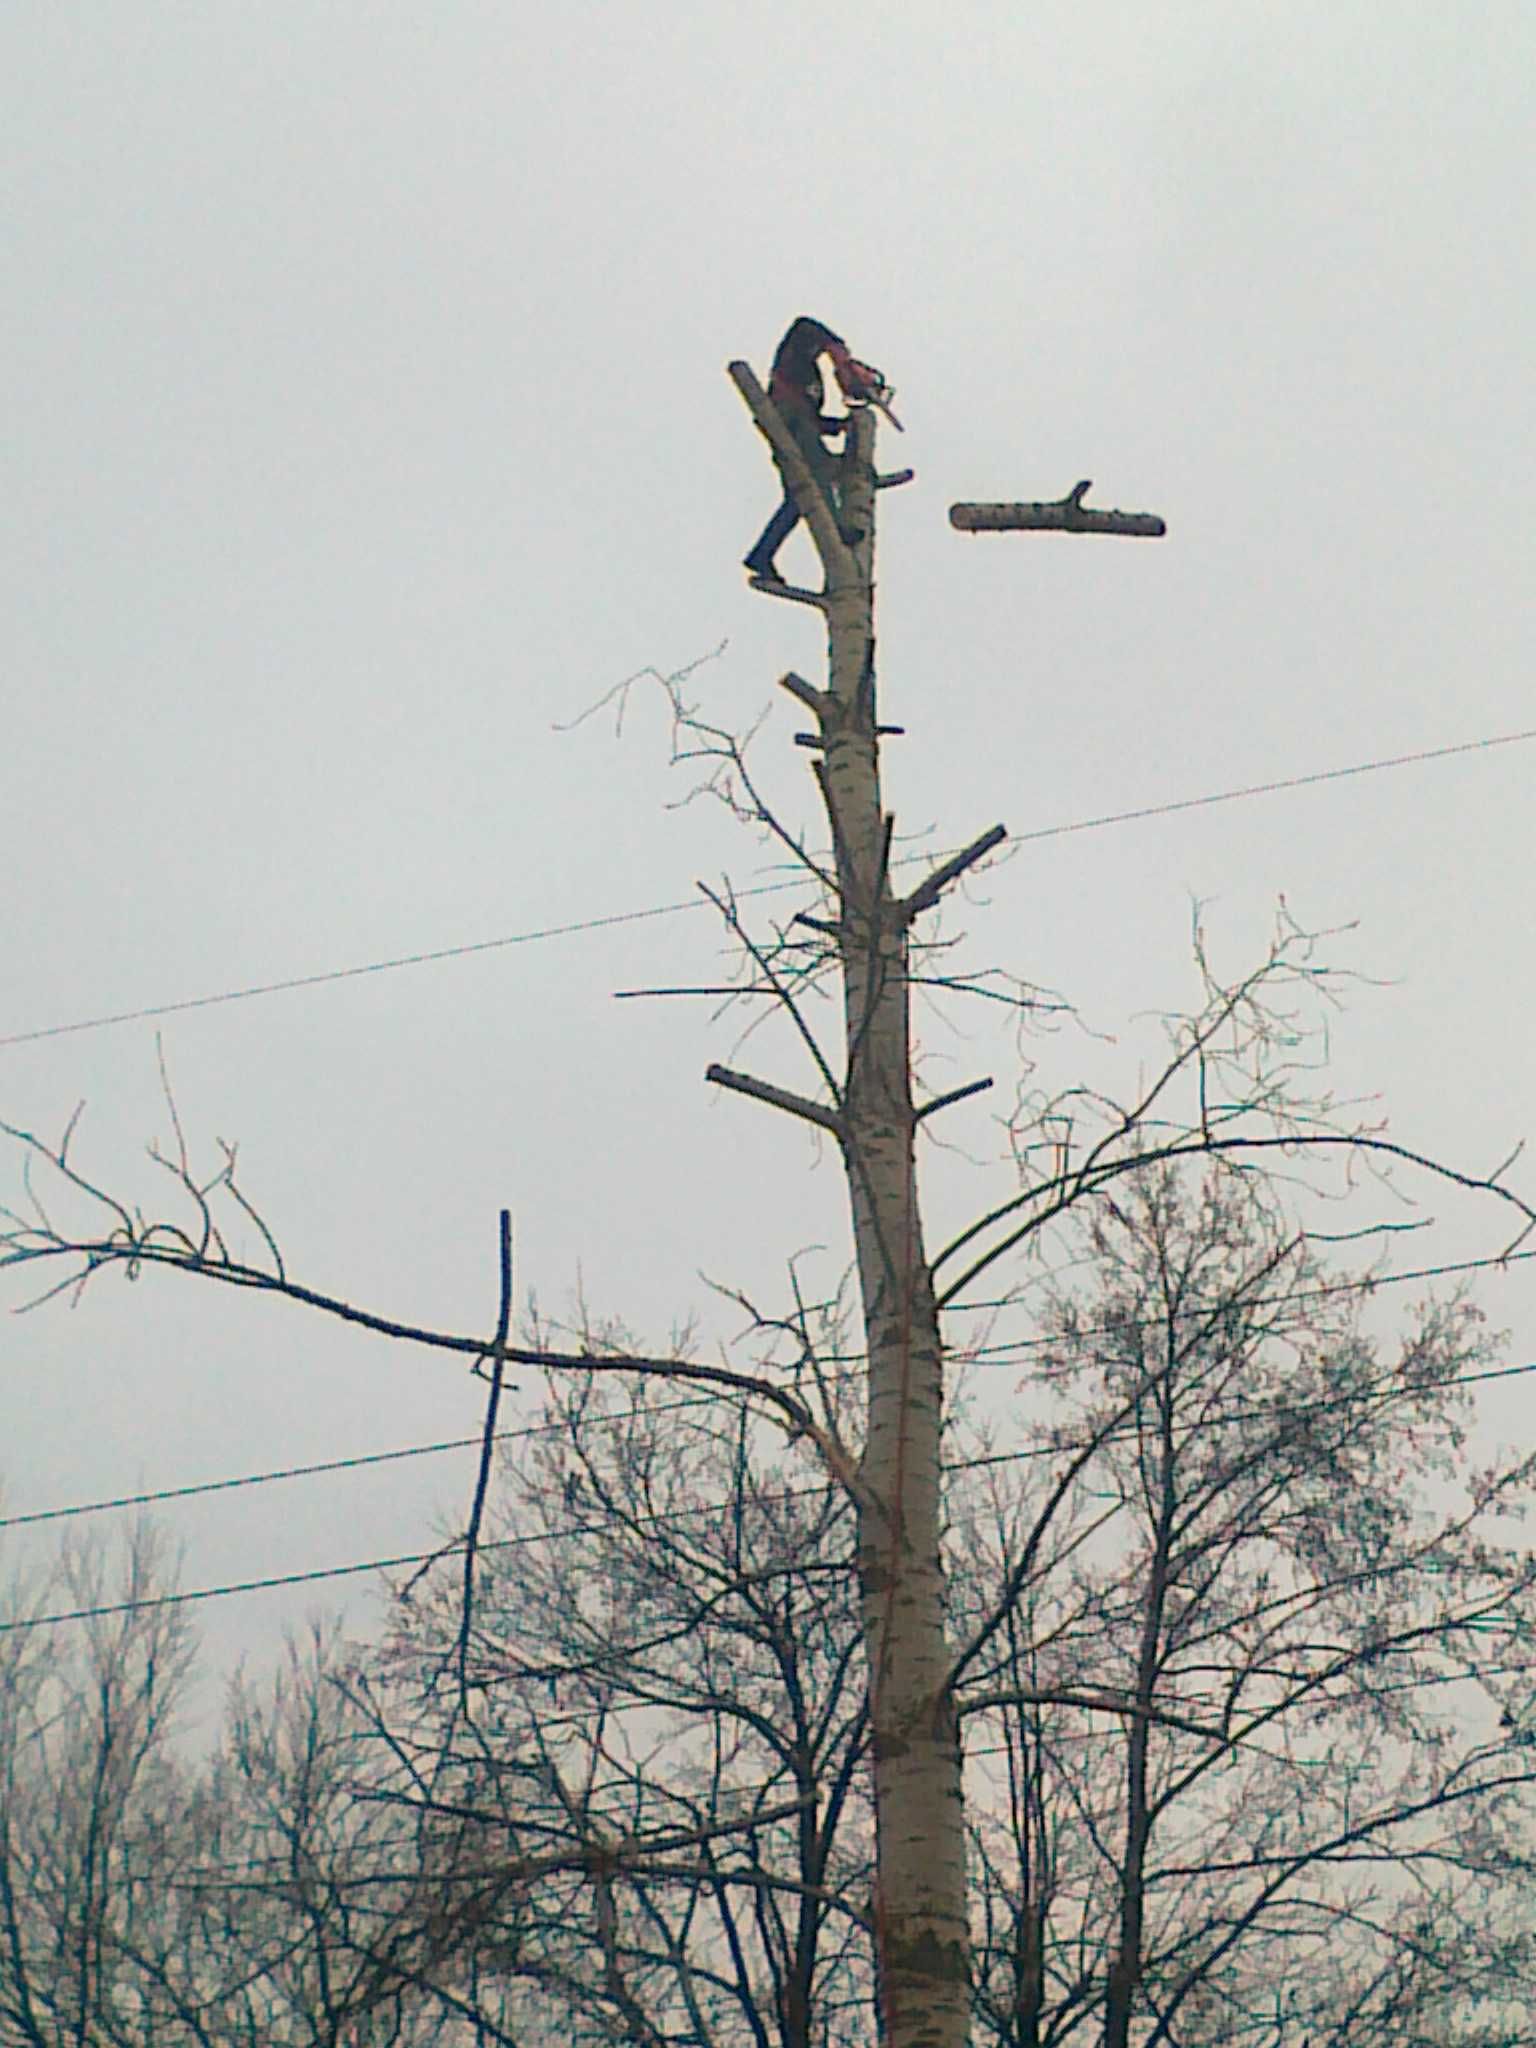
345	1571
618	917
273	988
379	1564
1365	1286
999	1354
139	1500
1232	796
1228	1415
333	1571
457	1443
983	1355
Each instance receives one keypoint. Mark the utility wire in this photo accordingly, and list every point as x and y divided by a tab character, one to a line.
848	1361
618	917
1365	1286
344	1571
139	1500
457	1443
524	1542
1232	796
273	988
998	1354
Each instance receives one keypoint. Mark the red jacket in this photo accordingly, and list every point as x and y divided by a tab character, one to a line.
795	382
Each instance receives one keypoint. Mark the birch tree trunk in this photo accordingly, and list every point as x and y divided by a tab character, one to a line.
920	1902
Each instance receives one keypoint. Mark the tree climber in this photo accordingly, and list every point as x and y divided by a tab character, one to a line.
797	388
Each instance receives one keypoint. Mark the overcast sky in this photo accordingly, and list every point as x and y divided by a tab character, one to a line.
365	419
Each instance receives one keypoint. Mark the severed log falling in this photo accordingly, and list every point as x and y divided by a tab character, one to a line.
1055	515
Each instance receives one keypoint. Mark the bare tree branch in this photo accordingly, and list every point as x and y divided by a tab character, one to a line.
487	1453
775	1097
1059	515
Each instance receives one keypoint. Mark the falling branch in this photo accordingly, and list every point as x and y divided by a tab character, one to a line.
1056	515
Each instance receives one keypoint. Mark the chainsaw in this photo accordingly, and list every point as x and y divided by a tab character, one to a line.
862	384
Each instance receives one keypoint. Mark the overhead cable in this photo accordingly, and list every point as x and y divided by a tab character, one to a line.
523	1542
618	917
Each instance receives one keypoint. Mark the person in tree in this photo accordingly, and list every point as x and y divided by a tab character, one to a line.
798	389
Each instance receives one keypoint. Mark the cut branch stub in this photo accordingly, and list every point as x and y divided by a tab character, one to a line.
1056	515
928	892
776	1098
814	700
954	1095
792	593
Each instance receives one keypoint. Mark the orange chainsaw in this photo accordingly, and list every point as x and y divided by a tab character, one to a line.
862	384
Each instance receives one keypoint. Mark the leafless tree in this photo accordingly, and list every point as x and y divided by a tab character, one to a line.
1242	1685
1313	1817
90	1798
1242	1680
665	1687
259	1898
1234	1086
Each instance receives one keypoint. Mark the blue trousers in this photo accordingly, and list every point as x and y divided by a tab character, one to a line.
823	467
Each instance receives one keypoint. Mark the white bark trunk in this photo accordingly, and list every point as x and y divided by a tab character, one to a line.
920	1904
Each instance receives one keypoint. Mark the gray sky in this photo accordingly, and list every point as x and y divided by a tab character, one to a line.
365	417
